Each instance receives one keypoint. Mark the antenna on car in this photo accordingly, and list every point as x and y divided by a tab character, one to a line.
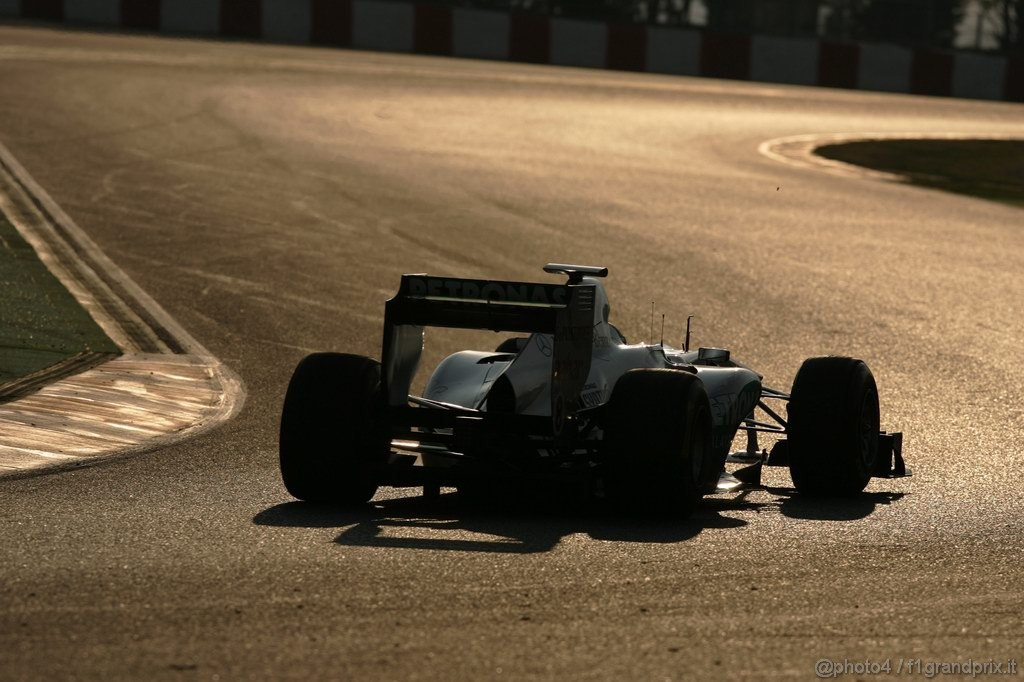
686	342
663	330
650	335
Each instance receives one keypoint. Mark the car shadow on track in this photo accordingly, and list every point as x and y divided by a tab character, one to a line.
537	525
851	508
446	523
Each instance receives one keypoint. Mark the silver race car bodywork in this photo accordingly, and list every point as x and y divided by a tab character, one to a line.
546	403
467	378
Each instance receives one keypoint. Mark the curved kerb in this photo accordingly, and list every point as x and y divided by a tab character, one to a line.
799	151
164	387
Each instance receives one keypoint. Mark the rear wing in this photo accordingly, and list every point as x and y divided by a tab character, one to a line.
564	310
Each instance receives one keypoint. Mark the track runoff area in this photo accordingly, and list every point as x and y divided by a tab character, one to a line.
90	366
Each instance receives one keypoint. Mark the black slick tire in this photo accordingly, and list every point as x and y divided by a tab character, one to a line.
332	442
833	427
657	442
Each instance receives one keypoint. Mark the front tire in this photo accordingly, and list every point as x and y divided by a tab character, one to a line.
833	427
332	442
657	442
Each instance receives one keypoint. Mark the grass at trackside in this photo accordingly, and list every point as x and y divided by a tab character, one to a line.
987	169
41	323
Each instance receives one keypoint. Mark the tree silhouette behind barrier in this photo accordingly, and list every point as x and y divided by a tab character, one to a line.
996	25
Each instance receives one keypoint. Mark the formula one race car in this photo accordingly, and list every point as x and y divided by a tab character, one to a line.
650	426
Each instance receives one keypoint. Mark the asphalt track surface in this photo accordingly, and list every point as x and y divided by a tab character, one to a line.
269	198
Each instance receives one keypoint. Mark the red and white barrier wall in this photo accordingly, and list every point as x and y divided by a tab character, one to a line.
425	28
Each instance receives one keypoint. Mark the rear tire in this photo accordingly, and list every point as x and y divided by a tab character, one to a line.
833	427
332	441
657	442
